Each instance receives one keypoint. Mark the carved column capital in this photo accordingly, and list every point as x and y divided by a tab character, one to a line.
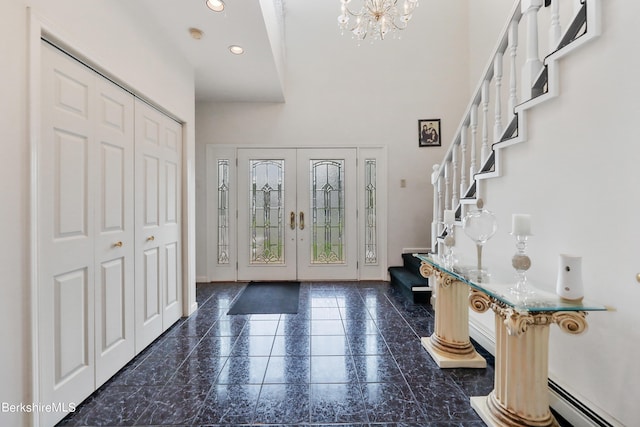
479	301
571	322
517	323
445	280
426	270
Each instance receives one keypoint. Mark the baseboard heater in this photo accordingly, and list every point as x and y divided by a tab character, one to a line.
578	406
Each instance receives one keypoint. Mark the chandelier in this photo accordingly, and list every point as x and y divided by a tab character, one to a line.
376	17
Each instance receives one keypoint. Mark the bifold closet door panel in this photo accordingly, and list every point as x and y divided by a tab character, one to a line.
114	249
172	157
67	154
158	147
148	225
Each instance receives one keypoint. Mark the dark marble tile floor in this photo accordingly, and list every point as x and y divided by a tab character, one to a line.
350	357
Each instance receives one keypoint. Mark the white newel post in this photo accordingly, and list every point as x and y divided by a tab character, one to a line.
497	75
533	65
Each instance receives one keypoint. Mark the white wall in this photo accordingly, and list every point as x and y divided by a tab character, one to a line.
339	93
14	184
486	20
104	32
577	175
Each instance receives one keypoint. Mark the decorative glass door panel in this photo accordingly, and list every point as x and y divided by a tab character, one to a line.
296	214
267	203
266	198
327	246
327	211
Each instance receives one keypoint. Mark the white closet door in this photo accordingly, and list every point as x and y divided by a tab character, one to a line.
66	231
172	158
157	225
114	254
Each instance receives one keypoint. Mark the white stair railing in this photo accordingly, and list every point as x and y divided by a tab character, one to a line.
472	157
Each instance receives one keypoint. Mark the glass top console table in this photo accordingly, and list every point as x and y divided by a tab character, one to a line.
520	396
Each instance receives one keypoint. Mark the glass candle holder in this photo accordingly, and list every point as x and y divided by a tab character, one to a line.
449	259
521	263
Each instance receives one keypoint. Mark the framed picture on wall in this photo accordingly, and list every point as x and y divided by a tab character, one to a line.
429	133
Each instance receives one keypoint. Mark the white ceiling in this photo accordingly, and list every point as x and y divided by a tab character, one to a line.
255	25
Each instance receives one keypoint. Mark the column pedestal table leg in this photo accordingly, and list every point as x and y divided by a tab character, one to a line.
521	395
449	345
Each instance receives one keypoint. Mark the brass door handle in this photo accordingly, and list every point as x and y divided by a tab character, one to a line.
292	220
301	220
151	238
117	245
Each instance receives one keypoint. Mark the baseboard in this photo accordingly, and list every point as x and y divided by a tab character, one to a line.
482	336
192	309
415	250
570	407
575	410
202	279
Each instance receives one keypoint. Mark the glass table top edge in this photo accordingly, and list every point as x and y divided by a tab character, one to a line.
538	301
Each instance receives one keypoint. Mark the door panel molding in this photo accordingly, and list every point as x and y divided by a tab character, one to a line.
327	245
275	241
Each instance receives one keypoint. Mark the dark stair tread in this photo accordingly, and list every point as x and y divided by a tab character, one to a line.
407	278
411	263
410	284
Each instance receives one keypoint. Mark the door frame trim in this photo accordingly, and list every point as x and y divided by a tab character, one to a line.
377	271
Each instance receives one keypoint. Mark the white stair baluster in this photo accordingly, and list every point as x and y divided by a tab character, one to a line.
474	130
440	205
533	65
435	180
463	161
497	75
447	184
513	75
484	151
454	181
554	30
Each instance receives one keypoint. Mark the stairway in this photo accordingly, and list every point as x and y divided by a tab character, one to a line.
476	151
409	280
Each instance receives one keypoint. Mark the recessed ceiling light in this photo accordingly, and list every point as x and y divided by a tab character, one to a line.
215	5
236	50
196	33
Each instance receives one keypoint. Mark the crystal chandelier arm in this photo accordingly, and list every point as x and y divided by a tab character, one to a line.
377	17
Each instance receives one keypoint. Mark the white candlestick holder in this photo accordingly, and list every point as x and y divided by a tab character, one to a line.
521	263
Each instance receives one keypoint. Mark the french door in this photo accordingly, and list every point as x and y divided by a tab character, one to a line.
297	214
